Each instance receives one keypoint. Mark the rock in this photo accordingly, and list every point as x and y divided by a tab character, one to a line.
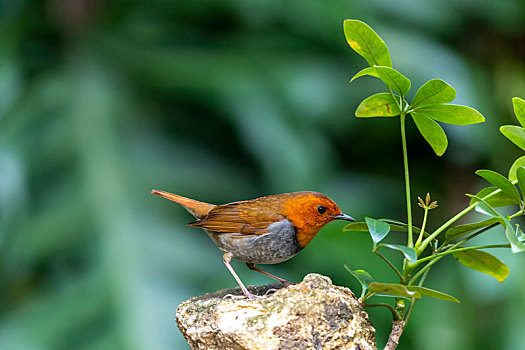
313	314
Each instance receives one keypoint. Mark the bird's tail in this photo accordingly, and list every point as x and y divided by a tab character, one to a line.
195	208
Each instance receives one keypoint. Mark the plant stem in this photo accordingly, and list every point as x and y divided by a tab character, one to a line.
409	311
367	296
445	225
454	246
407	179
401	277
513	216
516	214
423	269
423	226
395	334
473	235
451	251
402	118
454	219
395	314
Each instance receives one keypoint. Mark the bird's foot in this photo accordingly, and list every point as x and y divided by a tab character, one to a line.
287	283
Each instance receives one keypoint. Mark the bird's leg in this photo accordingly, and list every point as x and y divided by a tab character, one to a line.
282	280
226	258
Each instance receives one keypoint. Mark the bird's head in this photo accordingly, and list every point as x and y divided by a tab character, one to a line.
309	212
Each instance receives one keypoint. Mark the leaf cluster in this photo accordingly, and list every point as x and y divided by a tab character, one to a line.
431	106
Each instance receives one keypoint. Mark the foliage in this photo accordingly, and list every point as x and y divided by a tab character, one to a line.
429	107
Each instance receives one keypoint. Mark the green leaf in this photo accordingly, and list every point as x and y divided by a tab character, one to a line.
432	132
516	245
489	210
356	227
434	91
363	277
401	226
378	105
363	40
484	206
367	71
393	289
394	226
514	133
520	162
451	114
462	230
409	253
498	200
520	174
519	234
393	79
519	109
483	262
432	293
500	182
378	229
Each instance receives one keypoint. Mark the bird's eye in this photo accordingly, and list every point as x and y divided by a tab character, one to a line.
321	209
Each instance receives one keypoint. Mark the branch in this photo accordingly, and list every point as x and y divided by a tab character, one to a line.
395	334
395	314
401	277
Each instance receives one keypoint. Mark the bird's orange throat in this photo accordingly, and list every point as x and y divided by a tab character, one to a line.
305	235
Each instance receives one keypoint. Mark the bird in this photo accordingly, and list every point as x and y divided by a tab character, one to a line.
265	230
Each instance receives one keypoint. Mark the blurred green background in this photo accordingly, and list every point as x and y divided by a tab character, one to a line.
101	101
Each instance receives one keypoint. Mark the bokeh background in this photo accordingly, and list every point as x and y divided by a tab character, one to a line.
101	101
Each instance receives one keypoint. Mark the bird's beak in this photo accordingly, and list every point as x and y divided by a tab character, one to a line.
342	216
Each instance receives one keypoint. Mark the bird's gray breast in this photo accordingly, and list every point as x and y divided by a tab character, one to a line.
278	245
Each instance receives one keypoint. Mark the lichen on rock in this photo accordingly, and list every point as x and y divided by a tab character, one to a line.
313	314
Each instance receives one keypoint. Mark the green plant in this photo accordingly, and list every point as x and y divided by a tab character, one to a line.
430	105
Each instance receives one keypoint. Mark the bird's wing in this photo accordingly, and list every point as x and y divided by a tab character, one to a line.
241	218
